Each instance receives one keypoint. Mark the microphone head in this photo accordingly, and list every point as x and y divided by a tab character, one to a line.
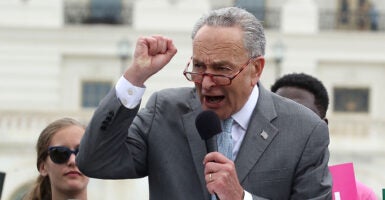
208	124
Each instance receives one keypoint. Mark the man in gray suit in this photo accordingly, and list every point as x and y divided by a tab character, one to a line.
279	148
310	92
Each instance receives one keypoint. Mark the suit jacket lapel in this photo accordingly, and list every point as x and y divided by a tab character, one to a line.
259	134
197	145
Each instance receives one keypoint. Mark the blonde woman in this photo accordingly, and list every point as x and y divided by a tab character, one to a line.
59	178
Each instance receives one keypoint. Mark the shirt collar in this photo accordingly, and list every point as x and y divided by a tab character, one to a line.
242	117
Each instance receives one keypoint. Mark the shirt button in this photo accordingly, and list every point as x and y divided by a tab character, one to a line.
130	92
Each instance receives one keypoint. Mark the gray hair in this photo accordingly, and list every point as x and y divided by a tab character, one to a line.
254	36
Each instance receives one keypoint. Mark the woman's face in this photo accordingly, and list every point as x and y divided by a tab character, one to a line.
65	178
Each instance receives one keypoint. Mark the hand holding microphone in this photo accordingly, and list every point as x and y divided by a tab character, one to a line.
225	181
209	125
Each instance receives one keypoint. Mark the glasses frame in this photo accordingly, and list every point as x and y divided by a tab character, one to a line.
65	153
186	73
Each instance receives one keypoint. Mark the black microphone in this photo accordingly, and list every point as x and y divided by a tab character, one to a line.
208	125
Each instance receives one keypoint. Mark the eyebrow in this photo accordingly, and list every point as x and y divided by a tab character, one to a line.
214	64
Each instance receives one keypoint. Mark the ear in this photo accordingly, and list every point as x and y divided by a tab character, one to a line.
43	169
259	64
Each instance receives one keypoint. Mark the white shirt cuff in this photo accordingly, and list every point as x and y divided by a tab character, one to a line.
247	196
128	94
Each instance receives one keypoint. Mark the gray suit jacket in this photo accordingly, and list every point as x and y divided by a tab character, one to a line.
284	154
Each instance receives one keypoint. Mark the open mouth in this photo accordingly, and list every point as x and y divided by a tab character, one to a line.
214	99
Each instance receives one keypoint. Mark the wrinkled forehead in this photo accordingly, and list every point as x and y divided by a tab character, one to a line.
213	47
219	43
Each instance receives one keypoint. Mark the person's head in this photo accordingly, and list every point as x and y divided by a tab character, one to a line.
304	89
229	42
56	149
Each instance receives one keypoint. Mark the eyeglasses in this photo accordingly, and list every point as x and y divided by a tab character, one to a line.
218	79
61	154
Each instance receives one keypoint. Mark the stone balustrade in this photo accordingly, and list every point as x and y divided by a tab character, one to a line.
17	126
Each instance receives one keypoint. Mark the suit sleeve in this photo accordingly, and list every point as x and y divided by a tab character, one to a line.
313	179
104	150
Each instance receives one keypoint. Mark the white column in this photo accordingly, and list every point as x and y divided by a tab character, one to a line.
299	16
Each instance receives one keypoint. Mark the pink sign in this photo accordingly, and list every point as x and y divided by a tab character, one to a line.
344	182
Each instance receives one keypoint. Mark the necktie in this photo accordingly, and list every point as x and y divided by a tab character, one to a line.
225	142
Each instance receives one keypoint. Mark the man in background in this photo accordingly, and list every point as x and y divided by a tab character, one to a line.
310	92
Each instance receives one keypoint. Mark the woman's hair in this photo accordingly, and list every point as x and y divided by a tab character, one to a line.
253	34
42	186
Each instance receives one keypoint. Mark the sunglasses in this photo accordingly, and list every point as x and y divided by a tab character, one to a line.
60	154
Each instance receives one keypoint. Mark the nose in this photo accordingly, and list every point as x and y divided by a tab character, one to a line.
71	160
207	82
